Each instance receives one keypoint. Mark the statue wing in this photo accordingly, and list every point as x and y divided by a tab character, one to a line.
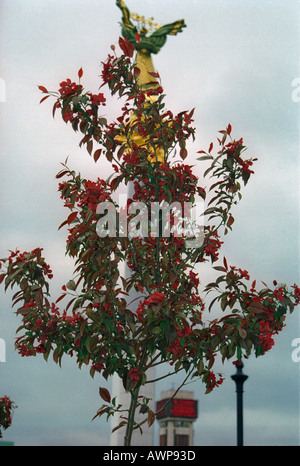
159	37
169	29
128	29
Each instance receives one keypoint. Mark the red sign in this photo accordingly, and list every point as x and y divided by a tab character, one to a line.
178	408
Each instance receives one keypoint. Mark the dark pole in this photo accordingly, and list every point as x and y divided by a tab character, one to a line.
239	379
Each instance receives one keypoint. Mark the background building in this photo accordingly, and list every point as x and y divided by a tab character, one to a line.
176	418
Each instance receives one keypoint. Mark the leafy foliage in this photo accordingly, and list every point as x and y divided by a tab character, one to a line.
7	408
167	324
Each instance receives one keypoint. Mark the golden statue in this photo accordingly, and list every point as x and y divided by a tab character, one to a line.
145	45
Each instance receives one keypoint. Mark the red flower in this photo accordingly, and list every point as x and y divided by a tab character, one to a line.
98	367
97	99
296	294
279	294
134	375
156	298
107	72
94	193
265	339
68	88
212	382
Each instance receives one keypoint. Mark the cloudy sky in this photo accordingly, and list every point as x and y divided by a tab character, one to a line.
235	62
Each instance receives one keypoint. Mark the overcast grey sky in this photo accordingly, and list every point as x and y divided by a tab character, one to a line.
235	63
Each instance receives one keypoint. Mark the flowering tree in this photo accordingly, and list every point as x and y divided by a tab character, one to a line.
6	411
167	325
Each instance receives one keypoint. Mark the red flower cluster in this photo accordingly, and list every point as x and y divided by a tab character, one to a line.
172	184
234	149
6	409
296	294
178	346
265	337
279	294
74	319
99	366
240	273
97	99
212	382
149	244
132	158
93	193
30	260
68	88
211	245
134	375
23	349
155	299
264	320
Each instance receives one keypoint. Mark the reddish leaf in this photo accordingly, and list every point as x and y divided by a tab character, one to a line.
97	154
100	412
220	268
151	418
72	217
255	308
136	71
122	423
60	298
44	98
126	46
62	224
55	106
24	310
230	221
109	156
210	147
154	74
62	173
42	88
229	129
191	113
183	153
225	263
211	360
104	393
80	73
89	146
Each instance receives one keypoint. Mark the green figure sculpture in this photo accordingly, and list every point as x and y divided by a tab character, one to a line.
146	45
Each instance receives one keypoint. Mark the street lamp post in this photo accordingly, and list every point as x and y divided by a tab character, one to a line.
239	377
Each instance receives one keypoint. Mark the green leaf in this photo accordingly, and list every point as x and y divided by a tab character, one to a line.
170	333
71	285
156	330
205	157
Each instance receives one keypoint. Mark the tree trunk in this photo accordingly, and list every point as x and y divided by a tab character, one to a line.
133	403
